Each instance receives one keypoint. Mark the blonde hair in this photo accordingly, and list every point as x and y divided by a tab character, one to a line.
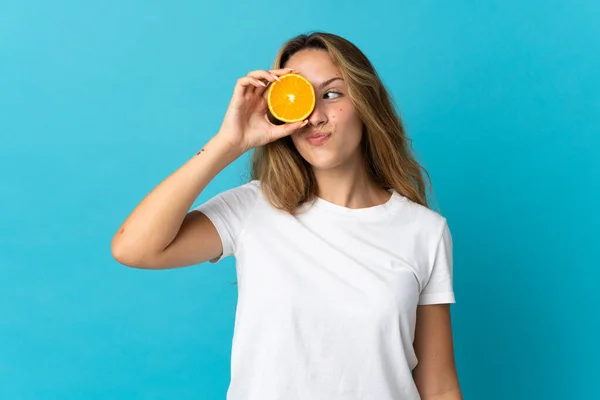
287	179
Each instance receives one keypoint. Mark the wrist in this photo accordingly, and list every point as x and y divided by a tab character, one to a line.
225	148
224	143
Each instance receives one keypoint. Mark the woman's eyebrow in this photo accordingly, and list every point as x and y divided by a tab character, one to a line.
328	81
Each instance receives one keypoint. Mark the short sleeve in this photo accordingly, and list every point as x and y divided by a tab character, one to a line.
439	287
228	212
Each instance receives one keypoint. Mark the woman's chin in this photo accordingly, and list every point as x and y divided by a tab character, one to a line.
323	164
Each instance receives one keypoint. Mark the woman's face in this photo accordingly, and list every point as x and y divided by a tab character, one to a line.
334	132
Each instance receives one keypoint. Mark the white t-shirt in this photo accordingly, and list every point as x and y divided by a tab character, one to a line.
327	300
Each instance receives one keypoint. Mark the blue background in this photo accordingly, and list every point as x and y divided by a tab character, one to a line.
100	101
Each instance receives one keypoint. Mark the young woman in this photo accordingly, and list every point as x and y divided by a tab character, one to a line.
344	272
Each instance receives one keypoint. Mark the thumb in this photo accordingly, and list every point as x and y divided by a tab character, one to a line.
287	129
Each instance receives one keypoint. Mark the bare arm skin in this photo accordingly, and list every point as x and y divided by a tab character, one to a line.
435	375
161	232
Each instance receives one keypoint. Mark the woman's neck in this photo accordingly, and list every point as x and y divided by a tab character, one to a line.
349	186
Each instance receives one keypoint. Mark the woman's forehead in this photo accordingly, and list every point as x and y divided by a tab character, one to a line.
314	65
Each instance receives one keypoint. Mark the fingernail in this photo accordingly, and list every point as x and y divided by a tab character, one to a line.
277	78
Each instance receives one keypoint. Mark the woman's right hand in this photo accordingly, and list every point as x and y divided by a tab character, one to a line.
246	124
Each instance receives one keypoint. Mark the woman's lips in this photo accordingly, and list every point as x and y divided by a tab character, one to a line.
318	139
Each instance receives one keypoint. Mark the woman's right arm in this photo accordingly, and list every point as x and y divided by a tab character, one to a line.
161	232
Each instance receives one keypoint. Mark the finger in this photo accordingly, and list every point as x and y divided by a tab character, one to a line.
247	83
260	91
265	75
287	129
265	78
281	71
270	75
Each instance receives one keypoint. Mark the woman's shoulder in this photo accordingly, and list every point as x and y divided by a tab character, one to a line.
245	193
250	188
242	197
423	216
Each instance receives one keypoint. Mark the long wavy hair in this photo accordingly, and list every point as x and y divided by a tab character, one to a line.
287	179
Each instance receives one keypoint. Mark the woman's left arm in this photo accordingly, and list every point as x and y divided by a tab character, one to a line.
435	374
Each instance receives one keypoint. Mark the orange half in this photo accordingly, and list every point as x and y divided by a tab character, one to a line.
291	99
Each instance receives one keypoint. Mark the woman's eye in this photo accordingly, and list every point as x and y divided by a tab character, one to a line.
334	93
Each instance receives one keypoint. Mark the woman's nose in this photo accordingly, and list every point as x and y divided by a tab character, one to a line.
318	117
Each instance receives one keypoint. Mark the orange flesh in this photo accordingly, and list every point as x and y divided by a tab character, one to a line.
292	99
